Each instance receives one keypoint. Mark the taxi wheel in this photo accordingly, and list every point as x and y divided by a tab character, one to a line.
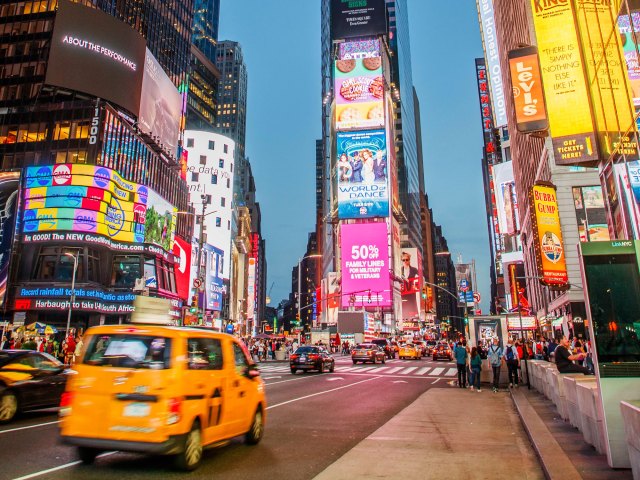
191	454
293	371
8	406
354	362
254	435
88	455
321	368
383	360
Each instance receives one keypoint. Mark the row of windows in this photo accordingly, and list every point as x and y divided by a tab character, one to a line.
212	146
195	177
25	8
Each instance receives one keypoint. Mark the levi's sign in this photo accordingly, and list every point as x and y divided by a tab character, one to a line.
528	97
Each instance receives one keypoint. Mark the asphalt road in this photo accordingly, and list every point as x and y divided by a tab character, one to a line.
312	420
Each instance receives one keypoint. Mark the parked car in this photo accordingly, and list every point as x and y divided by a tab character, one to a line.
442	351
367	352
409	350
389	351
29	380
311	358
163	391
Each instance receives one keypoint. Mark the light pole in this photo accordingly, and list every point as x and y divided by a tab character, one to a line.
315	255
73	288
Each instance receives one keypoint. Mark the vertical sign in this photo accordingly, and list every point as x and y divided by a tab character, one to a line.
528	98
9	199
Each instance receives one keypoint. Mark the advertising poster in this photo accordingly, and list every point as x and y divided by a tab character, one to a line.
94	53
486	331
364	18
251	289
629	28
9	187
182	267
591	214
506	199
359	90
464	282
160	225
363	190
214	284
333	296
359	49
550	255
365	265
411	288
160	105
567	97
526	87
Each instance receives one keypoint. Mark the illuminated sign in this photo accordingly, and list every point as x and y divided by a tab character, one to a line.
9	186
528	323
629	27
359	90
363	190
549	247
528	98
94	47
362	18
359	49
565	85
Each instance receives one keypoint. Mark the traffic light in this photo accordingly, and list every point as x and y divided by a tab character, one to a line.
194	304
424	293
466	318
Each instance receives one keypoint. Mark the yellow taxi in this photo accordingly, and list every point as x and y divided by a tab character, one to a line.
161	390
409	350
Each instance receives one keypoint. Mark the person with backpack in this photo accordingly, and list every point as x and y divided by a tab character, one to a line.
476	367
538	349
460	353
513	360
495	354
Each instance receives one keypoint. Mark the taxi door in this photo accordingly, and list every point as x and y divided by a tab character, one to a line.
241	392
205	387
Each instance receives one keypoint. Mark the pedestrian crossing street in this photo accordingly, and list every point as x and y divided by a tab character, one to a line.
391	367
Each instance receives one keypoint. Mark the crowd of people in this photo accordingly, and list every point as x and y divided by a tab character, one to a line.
66	349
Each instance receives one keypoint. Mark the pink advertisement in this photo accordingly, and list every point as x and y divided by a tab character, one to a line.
365	265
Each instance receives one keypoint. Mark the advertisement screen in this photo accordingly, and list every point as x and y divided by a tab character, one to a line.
363	190
251	288
182	267
567	97
95	53
506	199
359	49
629	28
160	105
411	288
214	284
464	282
160	225
550	255
359	90
9	187
528	97
365	265
363	18
591	214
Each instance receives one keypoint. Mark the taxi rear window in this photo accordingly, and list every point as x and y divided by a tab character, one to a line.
129	351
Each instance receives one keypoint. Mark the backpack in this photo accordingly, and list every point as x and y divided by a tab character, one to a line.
539	348
509	354
494	355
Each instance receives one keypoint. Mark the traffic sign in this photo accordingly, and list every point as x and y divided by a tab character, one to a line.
476	297
464	284
197	283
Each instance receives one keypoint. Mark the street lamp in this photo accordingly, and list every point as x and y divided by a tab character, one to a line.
73	288
315	255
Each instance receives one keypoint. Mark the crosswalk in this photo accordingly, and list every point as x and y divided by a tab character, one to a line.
404	370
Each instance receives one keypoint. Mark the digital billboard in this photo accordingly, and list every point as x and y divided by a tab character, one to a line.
526	86
359	49
549	246
464	282
251	288
506	199
160	105
214	284
591	213
363	187
9	187
565	86
410	271
160	224
94	53
629	28
365	265
359	90
182	267
362	18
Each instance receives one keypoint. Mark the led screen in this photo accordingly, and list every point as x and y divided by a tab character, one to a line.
9	186
361	18
359	90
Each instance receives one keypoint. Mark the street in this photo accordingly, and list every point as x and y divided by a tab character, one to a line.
312	420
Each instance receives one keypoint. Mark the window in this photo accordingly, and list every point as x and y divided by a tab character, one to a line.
240	359
231	167
189	142
195	176
52	264
228	224
150	272
128	351
226	148
221	163
125	270
214	179
204	354
223	201
203	159
212	145
228	183
218	222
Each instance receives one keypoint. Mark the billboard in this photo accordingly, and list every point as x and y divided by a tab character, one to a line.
251	289
365	265
464	282
591	213
9	187
182	267
364	18
549	247
411	288
506	200
160	224
363	187
94	53
359	49
629	27
492	55
214	284
359	90
565	85
526	86
160	105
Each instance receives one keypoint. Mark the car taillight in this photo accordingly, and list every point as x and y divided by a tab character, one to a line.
175	408
370	352
294	357
314	356
65	404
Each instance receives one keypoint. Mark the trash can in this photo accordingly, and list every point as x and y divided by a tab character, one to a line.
280	354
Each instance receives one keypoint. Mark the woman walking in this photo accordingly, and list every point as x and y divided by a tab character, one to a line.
476	368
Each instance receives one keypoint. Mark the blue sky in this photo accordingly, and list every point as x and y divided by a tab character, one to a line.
281	44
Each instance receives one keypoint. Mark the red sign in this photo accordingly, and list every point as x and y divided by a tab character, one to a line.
182	267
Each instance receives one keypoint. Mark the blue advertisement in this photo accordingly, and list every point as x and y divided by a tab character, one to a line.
363	181
214	286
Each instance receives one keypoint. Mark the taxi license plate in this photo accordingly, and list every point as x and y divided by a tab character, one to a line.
137	410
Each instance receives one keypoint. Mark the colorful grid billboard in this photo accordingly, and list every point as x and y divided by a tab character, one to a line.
359	90
363	185
365	265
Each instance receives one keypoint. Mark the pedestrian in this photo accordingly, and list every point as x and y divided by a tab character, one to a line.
538	349
78	350
495	355
460	353
512	360
564	359
552	348
476	367
5	343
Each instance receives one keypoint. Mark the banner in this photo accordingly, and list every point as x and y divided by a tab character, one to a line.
9	188
365	265
182	267
214	284
363	190
506	199
411	273
464	281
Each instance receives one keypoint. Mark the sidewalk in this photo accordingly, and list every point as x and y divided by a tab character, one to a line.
427	440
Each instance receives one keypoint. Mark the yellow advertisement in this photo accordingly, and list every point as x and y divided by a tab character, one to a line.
607	77
565	86
550	255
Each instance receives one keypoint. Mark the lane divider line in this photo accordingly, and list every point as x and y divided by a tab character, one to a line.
61	467
28	427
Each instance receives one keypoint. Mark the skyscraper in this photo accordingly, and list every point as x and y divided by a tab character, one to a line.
206	17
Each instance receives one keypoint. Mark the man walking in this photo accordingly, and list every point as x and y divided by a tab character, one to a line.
494	354
460	353
513	360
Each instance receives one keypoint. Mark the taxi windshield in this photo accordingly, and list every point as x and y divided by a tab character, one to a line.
128	351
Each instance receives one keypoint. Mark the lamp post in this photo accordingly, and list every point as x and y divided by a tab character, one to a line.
73	288
315	255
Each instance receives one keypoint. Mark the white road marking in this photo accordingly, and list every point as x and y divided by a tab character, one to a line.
55	469
29	426
407	371
333	379
437	371
366	369
422	371
348	369
451	372
399	381
271	378
436	381
395	369
381	368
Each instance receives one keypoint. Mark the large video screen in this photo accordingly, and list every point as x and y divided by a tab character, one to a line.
363	18
95	53
9	187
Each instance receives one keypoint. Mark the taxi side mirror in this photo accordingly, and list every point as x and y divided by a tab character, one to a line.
252	372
